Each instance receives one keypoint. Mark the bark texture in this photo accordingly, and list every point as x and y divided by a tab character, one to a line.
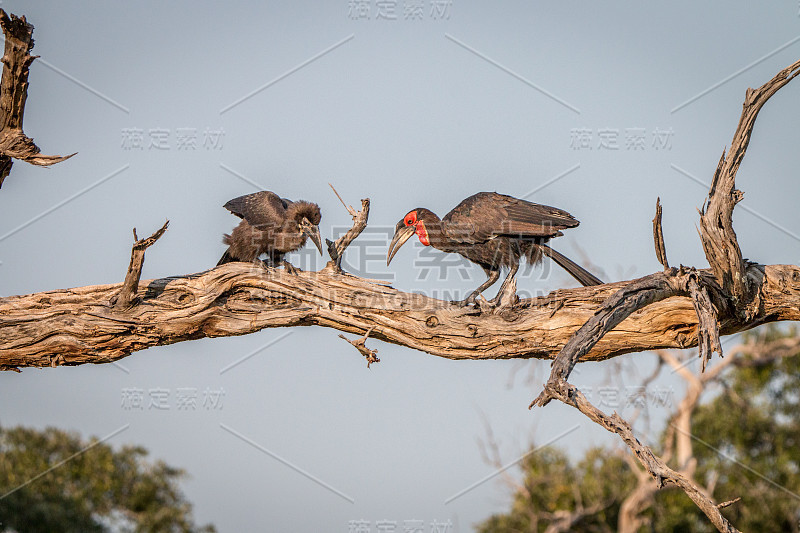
735	290
716	219
82	325
13	93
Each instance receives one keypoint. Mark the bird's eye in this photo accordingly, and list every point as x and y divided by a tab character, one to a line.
411	219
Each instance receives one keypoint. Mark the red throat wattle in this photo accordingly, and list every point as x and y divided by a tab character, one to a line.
422	233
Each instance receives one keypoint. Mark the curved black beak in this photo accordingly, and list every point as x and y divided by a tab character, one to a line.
401	235
312	232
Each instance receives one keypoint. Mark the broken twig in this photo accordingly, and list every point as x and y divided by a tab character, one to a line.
126	297
360	345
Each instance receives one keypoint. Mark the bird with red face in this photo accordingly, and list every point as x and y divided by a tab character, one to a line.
495	231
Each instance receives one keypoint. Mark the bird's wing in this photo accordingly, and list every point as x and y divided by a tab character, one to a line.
488	214
263	208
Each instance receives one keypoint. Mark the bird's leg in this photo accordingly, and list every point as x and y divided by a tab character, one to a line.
494	275
511	273
275	262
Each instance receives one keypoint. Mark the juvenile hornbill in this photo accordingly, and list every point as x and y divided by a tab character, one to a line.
495	231
270	225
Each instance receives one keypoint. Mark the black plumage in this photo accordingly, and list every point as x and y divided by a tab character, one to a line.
270	225
495	231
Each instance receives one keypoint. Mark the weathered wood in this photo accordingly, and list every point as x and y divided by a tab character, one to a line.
361	345
13	93
127	295
657	467
336	249
619	306
737	292
658	237
708	326
716	219
80	325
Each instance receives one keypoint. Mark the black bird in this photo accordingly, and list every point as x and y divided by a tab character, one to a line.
270	225
495	231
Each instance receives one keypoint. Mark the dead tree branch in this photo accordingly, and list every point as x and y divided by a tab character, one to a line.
657	468
681	419
728	503
737	290
708	326
82	326
361	346
716	218
622	304
678	439
127	295
563	521
764	353
13	93
336	249
631	512
658	237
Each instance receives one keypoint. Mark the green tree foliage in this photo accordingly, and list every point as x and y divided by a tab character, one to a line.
748	438
747	444
552	485
96	489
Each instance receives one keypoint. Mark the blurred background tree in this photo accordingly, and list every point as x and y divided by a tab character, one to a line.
96	489
556	495
744	443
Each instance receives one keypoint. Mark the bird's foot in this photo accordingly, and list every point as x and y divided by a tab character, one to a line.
502	301
290	268
466	302
507	295
472	299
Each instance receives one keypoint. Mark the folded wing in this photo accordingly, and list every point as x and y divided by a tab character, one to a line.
486	215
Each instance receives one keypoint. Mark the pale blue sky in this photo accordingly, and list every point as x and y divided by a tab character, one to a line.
410	113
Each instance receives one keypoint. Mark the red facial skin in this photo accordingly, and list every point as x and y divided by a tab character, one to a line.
411	220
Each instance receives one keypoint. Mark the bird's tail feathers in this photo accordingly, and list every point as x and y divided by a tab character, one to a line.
583	276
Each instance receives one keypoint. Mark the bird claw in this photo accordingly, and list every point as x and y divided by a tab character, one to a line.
501	303
290	268
472	299
494	302
466	302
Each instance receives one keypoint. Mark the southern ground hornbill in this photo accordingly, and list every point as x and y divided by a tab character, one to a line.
270	225
495	231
